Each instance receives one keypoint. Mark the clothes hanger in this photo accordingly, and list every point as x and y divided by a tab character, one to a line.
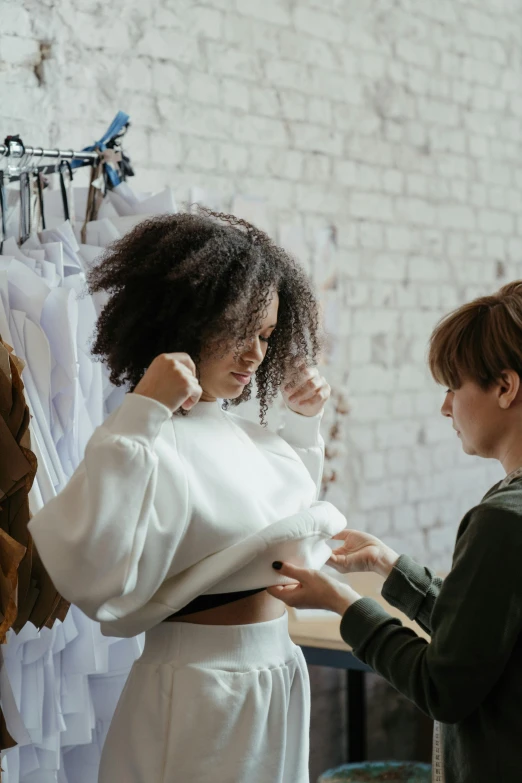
25	198
39	189
25	206
21	172
63	167
95	196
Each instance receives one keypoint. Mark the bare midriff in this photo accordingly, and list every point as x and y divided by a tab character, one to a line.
258	608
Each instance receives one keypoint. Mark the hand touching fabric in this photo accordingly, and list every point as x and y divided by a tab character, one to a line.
362	552
171	380
314	590
306	392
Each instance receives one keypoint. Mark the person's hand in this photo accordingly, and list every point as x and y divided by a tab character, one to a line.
306	391
171	380
313	590
362	552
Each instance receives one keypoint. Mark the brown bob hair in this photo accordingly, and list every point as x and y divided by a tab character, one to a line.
479	340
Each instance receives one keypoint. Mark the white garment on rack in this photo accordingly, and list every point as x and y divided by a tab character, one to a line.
128	202
68	412
46	317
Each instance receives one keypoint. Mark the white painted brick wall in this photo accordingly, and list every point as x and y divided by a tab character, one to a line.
399	126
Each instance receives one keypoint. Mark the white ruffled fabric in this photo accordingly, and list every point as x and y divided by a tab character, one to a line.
59	687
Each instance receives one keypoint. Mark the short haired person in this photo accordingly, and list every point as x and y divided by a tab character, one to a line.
171	523
468	676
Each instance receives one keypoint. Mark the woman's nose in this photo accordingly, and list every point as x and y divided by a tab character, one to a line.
253	349
447	405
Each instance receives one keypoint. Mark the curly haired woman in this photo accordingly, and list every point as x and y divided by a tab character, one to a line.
171	523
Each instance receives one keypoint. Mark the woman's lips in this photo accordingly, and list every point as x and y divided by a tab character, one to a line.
243	378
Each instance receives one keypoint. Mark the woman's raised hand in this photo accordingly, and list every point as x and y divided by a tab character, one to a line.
305	391
362	552
171	380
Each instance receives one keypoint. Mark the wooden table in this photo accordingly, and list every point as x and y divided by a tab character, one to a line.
322	645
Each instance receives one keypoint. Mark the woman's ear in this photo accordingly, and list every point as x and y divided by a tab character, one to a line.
508	388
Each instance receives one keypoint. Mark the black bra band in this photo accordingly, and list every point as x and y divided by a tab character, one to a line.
203	602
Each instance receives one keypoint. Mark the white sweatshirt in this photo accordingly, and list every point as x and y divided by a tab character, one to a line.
165	508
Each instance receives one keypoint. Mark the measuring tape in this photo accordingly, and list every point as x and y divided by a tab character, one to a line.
437	759
511	477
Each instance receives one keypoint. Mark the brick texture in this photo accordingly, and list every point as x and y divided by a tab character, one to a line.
395	131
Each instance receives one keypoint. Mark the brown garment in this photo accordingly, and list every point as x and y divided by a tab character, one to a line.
38	600
26	590
11	555
17	470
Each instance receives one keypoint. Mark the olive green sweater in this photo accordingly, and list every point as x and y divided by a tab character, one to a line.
469	676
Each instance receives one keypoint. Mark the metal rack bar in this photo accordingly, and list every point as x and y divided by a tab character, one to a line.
17	150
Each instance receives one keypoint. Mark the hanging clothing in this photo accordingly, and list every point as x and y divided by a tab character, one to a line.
37	599
59	686
17	469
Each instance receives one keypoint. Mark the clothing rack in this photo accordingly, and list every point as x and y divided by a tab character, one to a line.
15	148
105	156
20	168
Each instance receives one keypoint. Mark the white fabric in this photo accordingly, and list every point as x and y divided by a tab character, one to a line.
165	508
50	681
212	704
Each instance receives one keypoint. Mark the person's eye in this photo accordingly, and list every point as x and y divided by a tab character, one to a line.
265	339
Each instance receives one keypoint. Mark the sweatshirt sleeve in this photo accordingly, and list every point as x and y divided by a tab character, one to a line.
101	538
302	433
475	621
413	589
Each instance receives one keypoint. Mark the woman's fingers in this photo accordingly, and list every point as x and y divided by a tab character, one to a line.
339	563
314	591
299	374
314	399
194	397
291	595
342	535
316	387
183	358
283	591
171	380
294	594
307	389
292	571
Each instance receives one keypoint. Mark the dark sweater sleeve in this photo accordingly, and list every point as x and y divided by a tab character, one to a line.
475	622
413	589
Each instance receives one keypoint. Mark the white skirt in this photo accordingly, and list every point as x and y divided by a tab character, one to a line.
212	704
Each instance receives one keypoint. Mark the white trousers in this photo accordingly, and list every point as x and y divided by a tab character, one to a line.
212	704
